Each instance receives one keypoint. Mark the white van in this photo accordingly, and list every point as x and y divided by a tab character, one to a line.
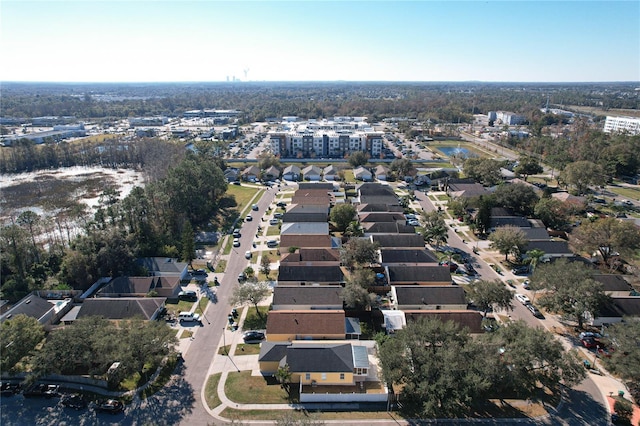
188	316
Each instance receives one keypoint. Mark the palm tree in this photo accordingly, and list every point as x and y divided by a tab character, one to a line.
533	258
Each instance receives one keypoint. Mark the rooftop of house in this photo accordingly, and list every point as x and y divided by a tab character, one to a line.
418	274
307	295
121	307
472	320
306	323
311	255
311	273
327	357
430	295
398	240
394	256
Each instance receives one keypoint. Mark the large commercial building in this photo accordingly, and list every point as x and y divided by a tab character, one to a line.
326	138
629	125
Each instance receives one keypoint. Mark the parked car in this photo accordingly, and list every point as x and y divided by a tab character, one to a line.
112	406
199	272
522	299
249	218
8	389
47	391
236	233
250	336
241	277
592	334
188	317
526	284
278	215
254	207
188	295
272	243
413	222
247	254
273	222
236	242
74	401
452	265
590	342
536	313
281	204
520	270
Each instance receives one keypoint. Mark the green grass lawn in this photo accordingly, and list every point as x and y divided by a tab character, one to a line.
243	195
625	191
247	349
211	391
252	321
182	305
273	230
244	388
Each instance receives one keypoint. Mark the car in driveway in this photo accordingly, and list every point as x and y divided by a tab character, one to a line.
252	336
188	295
281	204
520	270
526	284
272	243
278	215
236	242
273	222
522	299
413	222
247	254
590	342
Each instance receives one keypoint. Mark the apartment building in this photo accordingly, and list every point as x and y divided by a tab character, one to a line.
630	125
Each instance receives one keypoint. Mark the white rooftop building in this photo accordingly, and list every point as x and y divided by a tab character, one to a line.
629	125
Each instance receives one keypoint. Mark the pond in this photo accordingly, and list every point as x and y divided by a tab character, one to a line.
451	151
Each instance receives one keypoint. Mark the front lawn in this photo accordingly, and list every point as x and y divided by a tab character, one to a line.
211	391
244	388
253	321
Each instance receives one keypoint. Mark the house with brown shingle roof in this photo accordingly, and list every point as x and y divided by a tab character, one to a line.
287	326
308	241
312	256
395	208
251	173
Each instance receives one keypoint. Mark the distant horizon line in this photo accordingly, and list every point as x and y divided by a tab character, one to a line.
317	81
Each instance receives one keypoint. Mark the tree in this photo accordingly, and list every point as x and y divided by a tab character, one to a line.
625	360
19	338
528	166
31	220
487	294
265	265
518	197
533	258
483	217
608	236
342	215
437	365
188	243
483	170
358	158
283	375
355	293
508	240
569	289
435	229
582	174
354	229
401	166
267	160
250	292
552	212
521	359
358	252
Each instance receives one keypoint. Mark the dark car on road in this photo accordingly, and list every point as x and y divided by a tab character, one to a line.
74	401
536	313
112	406
47	391
253	336
8	389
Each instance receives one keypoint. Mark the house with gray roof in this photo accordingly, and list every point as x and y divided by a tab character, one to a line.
381	172
118	308
272	173
164	267
417	297
471	320
310	275
305	228
614	285
291	173
406	257
362	174
306	298
47	312
551	249
251	173
370	228
426	274
141	287
398	240
330	173
312	173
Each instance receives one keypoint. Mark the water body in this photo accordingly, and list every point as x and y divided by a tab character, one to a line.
451	151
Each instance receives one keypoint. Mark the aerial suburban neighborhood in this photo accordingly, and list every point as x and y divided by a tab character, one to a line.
309	212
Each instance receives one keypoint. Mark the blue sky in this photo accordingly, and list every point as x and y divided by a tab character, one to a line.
165	40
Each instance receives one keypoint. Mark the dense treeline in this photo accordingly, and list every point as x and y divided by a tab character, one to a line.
439	102
148	222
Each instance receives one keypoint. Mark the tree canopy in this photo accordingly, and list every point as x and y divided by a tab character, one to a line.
250	292
519	197
483	170
508	240
528	166
342	215
582	174
358	252
570	289
608	236
435	230
19	338
488	294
